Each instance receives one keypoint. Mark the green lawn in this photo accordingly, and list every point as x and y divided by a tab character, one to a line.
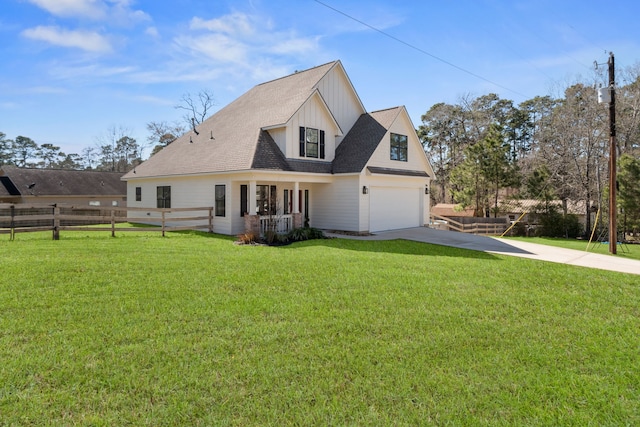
192	330
631	251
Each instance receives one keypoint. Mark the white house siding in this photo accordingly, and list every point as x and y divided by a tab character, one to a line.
416	159
333	206
185	192
394	202
279	135
338	93
315	115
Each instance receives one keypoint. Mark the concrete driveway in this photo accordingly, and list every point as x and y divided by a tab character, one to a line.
508	247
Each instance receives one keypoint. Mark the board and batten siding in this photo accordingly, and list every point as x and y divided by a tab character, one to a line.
416	159
312	114
340	97
279	135
333	205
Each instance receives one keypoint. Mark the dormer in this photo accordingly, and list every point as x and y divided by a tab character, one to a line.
317	127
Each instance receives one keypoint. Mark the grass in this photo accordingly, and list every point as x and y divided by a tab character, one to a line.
631	251
191	329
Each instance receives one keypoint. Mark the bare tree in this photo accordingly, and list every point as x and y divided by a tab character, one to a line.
162	134
198	109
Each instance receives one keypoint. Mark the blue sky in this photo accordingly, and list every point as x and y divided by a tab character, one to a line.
73	68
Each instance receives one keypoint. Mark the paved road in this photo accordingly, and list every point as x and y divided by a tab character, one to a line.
508	247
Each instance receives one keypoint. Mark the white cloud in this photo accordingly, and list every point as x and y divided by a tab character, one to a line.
85	40
46	90
152	32
218	47
241	40
117	12
294	45
94	9
238	24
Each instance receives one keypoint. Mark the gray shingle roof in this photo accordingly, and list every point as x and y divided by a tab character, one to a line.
390	171
358	145
61	182
236	129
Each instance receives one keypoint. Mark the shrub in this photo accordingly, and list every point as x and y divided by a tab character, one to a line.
248	238
554	224
305	233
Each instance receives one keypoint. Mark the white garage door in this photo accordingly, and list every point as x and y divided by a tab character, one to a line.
393	208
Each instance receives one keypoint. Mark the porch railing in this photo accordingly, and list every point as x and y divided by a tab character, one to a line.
277	223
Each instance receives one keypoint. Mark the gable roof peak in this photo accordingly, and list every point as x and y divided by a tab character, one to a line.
328	65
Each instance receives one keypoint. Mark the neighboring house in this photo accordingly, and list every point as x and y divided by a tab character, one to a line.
525	209
61	186
298	150
452	210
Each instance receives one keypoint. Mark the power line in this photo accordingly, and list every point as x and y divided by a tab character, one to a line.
424	52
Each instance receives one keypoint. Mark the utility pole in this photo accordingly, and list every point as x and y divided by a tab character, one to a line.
613	234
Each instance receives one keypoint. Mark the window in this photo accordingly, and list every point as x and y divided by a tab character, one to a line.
244	200
138	194
266	200
221	191
398	147
164	196
287	206
312	143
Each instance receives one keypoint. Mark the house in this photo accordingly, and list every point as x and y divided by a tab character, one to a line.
452	210
61	186
299	150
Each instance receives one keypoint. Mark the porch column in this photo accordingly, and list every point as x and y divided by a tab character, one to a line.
296	216
296	197
251	200
252	220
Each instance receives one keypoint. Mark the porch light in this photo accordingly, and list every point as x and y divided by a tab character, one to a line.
365	189
426	189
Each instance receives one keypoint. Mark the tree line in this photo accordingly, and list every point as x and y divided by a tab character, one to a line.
487	149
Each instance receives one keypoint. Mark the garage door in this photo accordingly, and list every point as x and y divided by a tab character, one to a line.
393	208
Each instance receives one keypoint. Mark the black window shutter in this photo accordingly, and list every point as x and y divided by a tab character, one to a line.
243	200
302	141
322	144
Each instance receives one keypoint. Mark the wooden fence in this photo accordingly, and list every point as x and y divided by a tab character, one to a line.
24	218
486	226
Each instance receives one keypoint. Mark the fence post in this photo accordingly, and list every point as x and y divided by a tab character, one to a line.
163	223
113	223
12	225
56	222
211	220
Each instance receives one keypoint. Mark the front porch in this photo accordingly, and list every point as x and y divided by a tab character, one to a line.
274	207
282	203
280	224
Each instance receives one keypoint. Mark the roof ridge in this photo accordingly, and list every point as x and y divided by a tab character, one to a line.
295	73
386	109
